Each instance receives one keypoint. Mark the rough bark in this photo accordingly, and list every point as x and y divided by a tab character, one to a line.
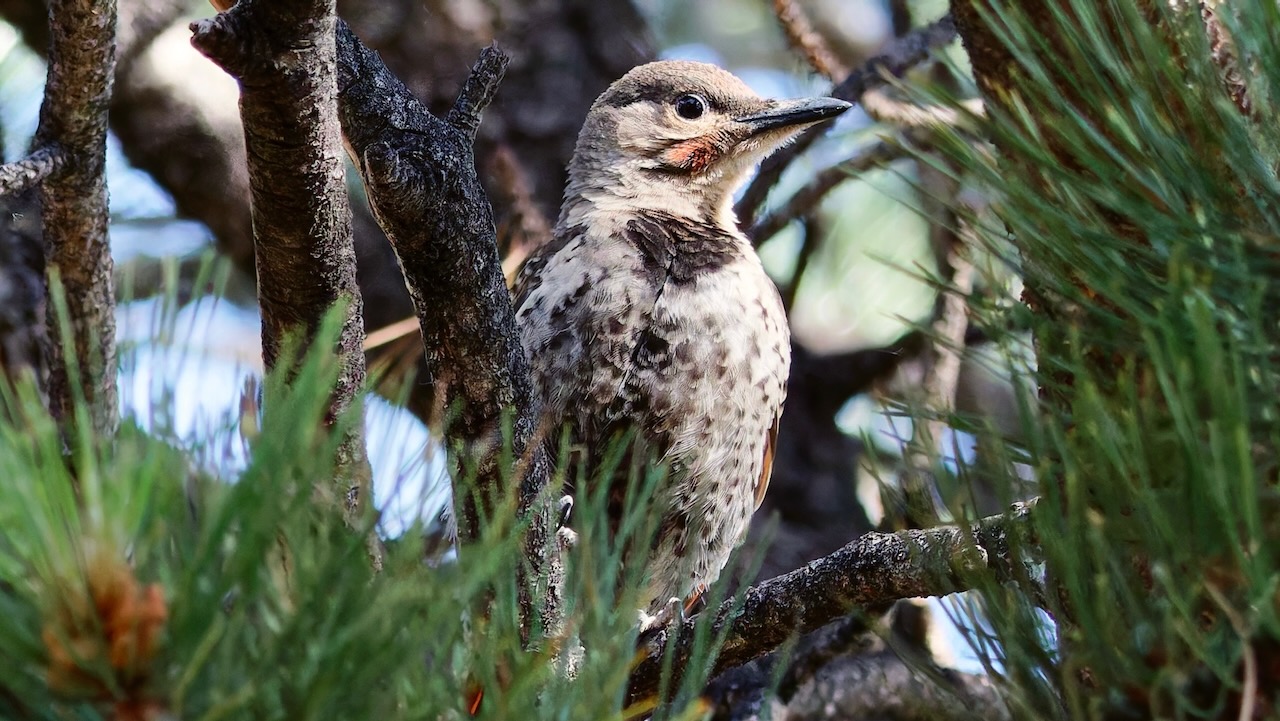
283	56
78	264
420	176
870	572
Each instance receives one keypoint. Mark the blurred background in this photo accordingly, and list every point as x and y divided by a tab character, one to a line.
859	267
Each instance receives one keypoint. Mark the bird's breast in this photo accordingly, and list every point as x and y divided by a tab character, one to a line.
673	330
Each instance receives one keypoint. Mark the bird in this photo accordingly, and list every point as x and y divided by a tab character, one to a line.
648	315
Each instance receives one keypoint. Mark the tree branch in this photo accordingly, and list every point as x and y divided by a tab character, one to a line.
419	172
902	54
872	571
74	201
805	199
807	41
282	54
23	174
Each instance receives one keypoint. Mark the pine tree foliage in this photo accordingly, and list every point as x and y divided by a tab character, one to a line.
1134	194
1137	198
134	586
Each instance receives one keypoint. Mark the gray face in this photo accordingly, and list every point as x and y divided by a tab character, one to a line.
683	128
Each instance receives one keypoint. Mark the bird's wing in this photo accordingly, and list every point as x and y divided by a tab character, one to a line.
529	276
766	470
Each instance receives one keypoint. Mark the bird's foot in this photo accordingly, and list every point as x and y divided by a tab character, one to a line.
672	610
565	508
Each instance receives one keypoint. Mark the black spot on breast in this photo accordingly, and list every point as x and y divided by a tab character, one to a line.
653	345
685	248
652	351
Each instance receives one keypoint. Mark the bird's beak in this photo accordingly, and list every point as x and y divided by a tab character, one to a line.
786	113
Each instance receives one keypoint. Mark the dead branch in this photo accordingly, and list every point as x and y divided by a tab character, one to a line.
899	57
420	175
82	57
871	571
282	54
526	228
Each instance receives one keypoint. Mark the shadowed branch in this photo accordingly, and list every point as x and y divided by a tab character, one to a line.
870	572
421	179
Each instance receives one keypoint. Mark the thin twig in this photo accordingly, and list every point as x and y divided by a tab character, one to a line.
805	199
807	41
525	228
901	55
1249	689
882	108
23	174
938	395
871	571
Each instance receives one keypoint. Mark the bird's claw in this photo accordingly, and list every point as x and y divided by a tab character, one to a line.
672	610
566	508
696	601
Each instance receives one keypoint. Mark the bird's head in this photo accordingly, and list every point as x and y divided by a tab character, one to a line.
682	136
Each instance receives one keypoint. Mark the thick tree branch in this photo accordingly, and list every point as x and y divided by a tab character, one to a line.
420	175
282	54
872	571
902	54
20	175
74	200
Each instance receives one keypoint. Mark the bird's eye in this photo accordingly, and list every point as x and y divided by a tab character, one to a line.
690	107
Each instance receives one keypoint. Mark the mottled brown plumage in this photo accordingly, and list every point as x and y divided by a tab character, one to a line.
649	311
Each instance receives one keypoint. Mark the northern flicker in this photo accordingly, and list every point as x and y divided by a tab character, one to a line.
649	312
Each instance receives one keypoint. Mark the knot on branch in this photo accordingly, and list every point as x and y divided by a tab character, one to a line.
400	180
